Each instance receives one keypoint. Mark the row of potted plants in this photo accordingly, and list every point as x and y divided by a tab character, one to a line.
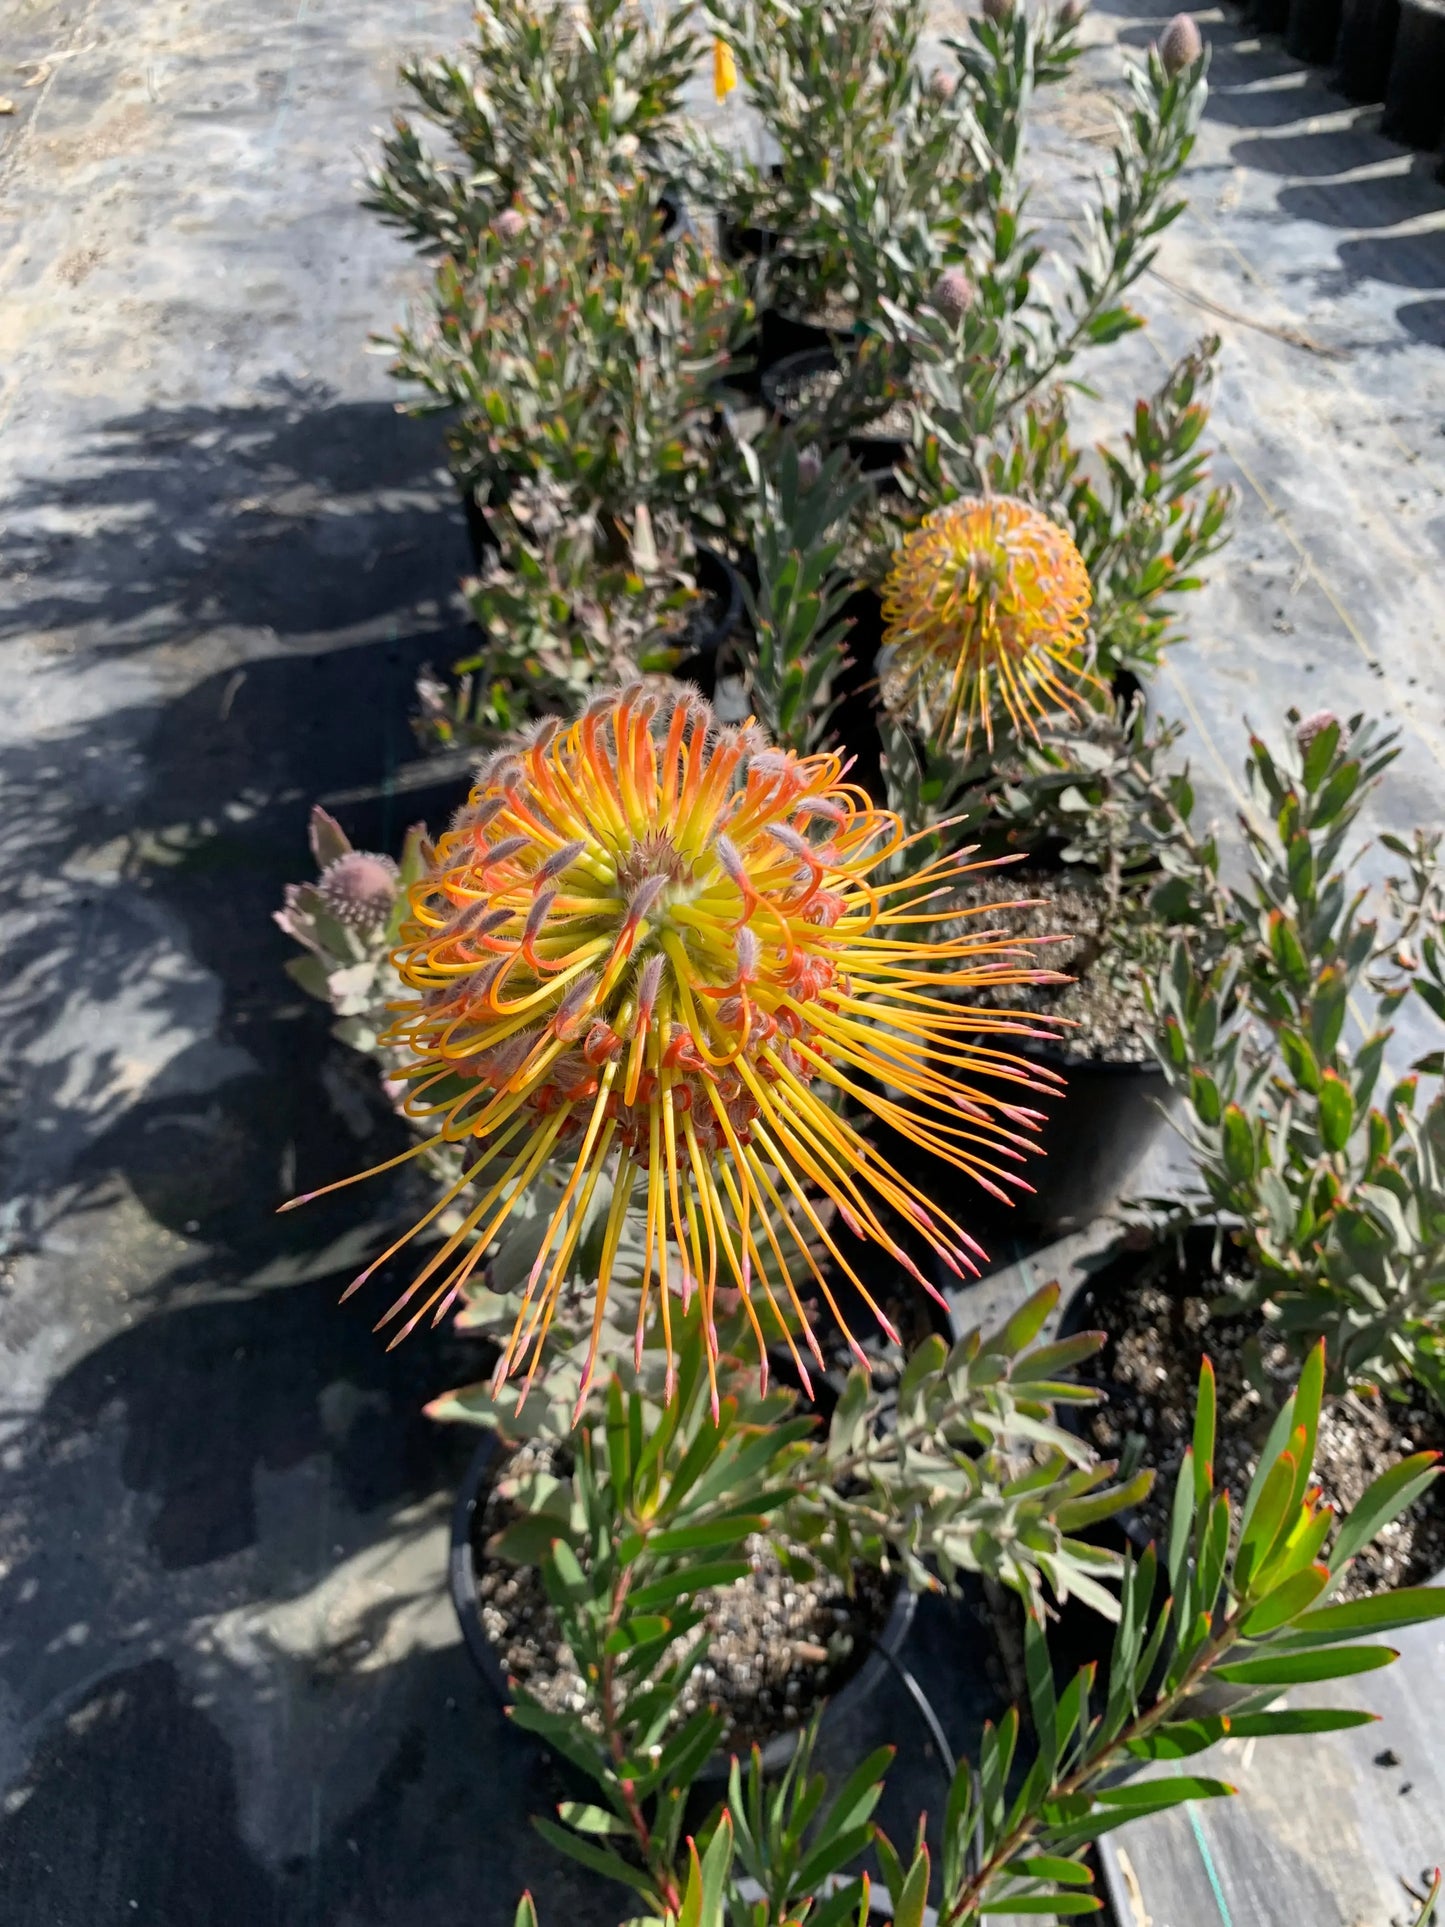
730	1047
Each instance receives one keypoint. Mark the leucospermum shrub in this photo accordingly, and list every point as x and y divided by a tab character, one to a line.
661	950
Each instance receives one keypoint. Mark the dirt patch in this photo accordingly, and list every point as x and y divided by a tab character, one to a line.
779	1645
125	130
1105	1003
74	267
811	390
1157	1337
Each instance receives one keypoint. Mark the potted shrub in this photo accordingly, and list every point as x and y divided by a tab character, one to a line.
1141	522
580	375
799	1547
1320	1213
880	167
986	695
1254	1613
954	328
543	94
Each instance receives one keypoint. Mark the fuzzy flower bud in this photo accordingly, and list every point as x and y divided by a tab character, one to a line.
997	10
1312	726
510	225
359	890
1180	45
943	83
951	295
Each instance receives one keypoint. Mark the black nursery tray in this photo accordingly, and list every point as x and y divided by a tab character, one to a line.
1325	1829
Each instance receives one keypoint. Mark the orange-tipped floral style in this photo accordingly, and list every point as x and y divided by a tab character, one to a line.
655	948
987	603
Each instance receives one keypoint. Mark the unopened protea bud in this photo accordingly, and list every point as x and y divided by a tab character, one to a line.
1180	45
942	84
810	467
359	890
997	10
951	296
1071	13
510	224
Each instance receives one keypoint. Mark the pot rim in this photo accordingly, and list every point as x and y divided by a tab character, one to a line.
777	1751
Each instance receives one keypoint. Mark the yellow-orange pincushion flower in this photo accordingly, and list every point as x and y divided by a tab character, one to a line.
987	603
651	946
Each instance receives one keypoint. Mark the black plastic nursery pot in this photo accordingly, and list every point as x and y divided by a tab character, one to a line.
1096	1133
1269	16
1366	48
1313	29
848	1700
1097	1129
1415	96
719	616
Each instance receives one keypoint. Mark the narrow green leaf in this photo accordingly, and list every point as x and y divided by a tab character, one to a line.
1384	1499
1382	1612
597	1859
1073	1515
716	1864
1052	1866
1257	1537
1024	1326
1178	1739
1286	1602
1309	1394
713	1532
1206	1408
858	1795
588	1819
692	1579
1336	1110
1297	1719
528	1540
832	1852
909	1905
1303	1669
1043	1904
1152	1795
1239	1151
637	1629
619	1456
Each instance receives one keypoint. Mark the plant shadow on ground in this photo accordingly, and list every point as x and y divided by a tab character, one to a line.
299	514
201	1730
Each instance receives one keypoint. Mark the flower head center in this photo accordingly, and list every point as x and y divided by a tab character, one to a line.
653	855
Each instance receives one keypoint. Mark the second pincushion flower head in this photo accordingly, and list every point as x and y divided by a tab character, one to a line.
986	608
654	948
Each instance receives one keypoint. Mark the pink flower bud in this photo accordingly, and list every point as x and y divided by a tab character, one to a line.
951	295
1180	44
